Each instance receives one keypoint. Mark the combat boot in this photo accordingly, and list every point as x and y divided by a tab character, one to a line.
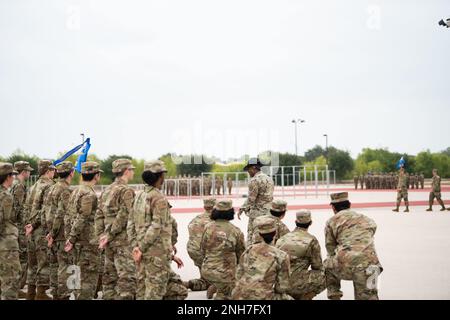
41	295
429	209
31	292
210	292
406	210
443	209
395	210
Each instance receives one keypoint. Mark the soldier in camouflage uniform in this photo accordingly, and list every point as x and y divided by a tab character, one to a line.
412	180
196	229
19	193
56	207
355	181
115	206
10	268
82	239
422	181
435	191
277	213
349	239
36	232
361	181
263	270
304	252
151	233
221	248
402	190
229	185
260	195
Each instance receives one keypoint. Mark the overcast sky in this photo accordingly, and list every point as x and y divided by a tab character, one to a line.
223	77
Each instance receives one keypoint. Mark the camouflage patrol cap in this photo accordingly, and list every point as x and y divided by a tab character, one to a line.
265	224
303	216
45	165
209	202
121	165
155	166
224	205
22	166
339	197
90	167
279	205
65	166
7	168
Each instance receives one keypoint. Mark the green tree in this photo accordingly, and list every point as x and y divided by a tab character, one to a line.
194	165
170	165
19	155
341	161
312	154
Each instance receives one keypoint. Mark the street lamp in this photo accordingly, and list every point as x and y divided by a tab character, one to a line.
326	146
295	122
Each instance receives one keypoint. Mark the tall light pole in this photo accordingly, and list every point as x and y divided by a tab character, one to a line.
295	122
326	146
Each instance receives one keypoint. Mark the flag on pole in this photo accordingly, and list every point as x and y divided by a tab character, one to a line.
68	154
83	156
401	163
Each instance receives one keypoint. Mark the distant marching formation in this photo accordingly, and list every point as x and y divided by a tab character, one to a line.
61	241
382	181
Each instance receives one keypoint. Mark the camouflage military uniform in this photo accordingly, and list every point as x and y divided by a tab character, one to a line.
263	270
349	239
229	185
116	204
260	196
10	268
436	193
402	191
58	231
278	207
221	248
38	262
19	193
150	228
196	229
82	207
304	252
355	181
56	206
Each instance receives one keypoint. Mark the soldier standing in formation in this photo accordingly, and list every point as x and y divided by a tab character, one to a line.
83	204
263	270
10	269
402	190
36	231
355	181
260	195
304	252
435	191
221	248
196	229
114	210
151	233
349	239
19	193
229	185
57	206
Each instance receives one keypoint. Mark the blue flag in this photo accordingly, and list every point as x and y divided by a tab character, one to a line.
401	163
83	156
68	154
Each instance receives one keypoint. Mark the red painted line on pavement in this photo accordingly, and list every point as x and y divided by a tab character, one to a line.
324	206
